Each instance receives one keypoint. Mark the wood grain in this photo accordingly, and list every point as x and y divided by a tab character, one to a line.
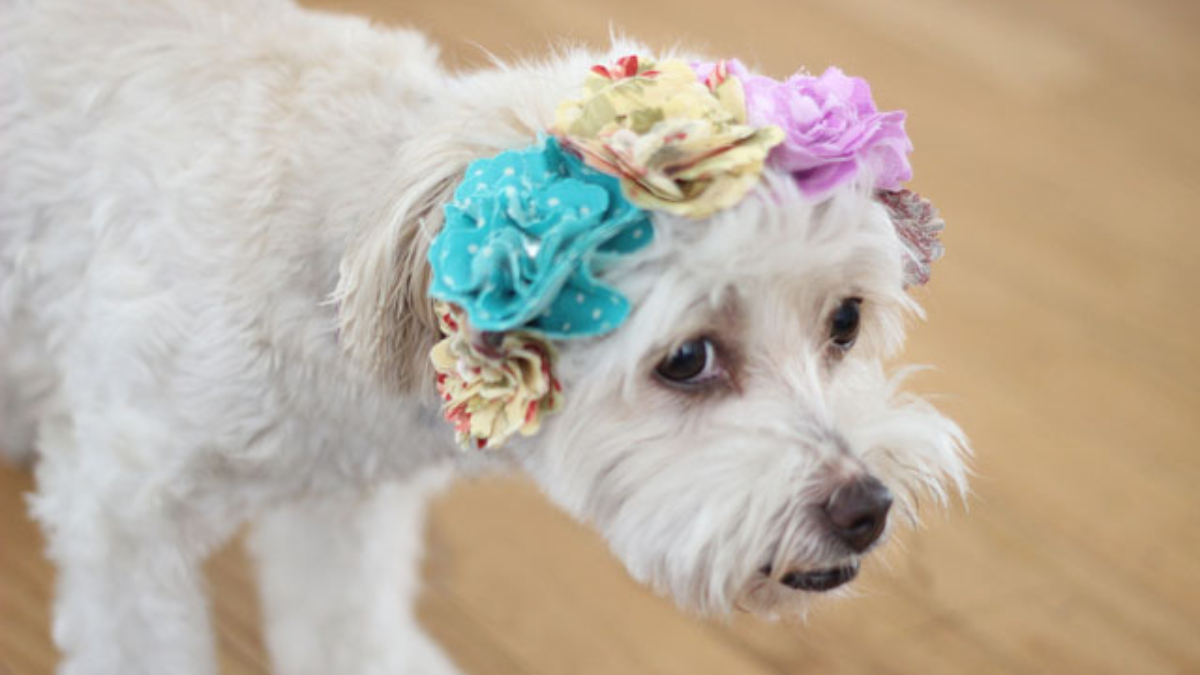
1060	139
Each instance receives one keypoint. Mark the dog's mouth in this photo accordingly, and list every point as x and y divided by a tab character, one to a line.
818	580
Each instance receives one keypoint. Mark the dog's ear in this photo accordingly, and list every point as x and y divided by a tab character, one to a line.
919	226
386	320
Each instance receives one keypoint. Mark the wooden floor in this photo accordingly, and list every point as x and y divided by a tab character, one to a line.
1062	141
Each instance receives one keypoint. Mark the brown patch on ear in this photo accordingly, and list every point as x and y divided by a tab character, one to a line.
386	317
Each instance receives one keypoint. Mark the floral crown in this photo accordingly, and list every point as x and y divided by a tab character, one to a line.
516	263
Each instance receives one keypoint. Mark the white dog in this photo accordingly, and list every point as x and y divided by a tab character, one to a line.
215	221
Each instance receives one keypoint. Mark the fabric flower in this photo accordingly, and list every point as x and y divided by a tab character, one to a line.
833	130
626	66
919	225
524	237
677	145
489	398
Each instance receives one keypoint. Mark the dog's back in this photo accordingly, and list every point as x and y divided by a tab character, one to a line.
141	132
71	74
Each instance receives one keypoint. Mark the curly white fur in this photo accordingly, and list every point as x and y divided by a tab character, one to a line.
213	218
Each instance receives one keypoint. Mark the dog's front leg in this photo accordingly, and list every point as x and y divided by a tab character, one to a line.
338	576
130	592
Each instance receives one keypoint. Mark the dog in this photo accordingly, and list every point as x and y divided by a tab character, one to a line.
217	227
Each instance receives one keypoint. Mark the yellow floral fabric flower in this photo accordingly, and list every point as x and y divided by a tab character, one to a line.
677	144
491	396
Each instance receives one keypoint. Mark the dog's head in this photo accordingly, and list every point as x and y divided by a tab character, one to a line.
737	439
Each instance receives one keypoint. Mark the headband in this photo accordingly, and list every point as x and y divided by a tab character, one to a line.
517	262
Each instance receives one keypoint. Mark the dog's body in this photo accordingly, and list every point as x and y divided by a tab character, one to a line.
213	222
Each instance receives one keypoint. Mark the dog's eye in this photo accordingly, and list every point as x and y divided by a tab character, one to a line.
843	324
693	362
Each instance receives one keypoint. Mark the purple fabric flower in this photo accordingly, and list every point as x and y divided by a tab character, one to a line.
833	130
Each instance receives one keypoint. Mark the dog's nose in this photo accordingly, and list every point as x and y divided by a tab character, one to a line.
857	512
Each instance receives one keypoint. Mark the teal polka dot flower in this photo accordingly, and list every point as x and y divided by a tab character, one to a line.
524	238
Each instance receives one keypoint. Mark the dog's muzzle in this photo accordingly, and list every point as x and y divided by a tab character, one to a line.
855	515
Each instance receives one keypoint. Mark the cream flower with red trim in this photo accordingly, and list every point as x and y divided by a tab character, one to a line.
678	144
491	392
